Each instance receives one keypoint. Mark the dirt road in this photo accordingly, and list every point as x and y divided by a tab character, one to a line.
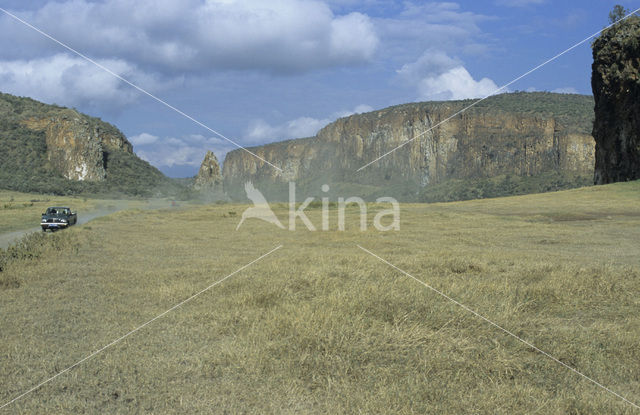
8	238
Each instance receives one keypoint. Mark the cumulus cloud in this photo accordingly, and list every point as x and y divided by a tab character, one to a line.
432	61
353	39
419	26
187	151
436	76
179	36
143	139
260	131
359	109
456	83
72	81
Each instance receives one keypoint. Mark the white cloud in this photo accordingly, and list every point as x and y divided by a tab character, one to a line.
456	83
72	81
179	151
436	76
179	36
359	109
432	61
565	90
420	26
260	131
346	29
143	139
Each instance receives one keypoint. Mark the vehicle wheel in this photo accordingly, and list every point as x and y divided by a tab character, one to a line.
44	230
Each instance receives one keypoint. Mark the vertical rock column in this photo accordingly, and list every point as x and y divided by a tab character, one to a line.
209	177
615	81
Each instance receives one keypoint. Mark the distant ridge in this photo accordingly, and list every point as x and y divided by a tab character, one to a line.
511	143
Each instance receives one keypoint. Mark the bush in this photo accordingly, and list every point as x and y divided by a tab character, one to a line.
30	247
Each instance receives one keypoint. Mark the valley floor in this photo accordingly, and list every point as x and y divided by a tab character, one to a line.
320	325
20	212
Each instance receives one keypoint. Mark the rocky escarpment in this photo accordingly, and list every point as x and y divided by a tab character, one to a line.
52	149
209	176
78	145
522	134
616	88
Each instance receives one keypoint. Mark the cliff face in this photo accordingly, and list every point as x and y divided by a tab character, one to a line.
491	139
208	177
616	88
76	144
51	149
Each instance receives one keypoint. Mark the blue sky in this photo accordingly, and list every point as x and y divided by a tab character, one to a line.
261	71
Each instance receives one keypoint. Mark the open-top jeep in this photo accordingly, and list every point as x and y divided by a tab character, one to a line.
58	218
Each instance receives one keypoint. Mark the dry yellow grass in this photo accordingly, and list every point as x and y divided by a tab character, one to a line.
320	326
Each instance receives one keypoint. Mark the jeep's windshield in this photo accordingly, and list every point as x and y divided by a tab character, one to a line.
58	211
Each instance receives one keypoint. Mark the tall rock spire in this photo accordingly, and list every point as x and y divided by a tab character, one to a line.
209	177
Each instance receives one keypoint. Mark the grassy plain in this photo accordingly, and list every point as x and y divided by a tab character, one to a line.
320	326
19	211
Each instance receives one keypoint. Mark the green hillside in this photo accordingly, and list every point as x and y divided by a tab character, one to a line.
25	167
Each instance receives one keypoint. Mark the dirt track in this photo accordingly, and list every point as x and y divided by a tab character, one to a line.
7	238
83	217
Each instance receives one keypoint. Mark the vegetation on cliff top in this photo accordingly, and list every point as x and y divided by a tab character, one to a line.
574	111
616	52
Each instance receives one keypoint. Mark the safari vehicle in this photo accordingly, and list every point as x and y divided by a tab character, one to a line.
58	218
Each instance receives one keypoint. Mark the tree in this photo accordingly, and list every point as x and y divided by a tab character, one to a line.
617	13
